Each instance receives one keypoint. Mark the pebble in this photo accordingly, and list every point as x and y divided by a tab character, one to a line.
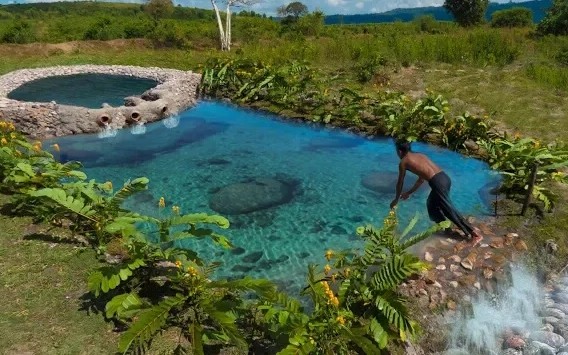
441	267
454	284
549	338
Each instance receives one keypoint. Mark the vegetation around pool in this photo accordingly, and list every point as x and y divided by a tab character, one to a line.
515	79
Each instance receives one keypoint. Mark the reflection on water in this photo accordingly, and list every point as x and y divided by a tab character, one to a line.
290	191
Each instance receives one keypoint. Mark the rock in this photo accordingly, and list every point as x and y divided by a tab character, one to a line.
560	297
255	195
454	284
515	342
487	255
252	257
551	246
547	328
471	145
560	306
441	267
380	182
242	268
455	258
451	305
496	244
551	320
488	273
538	348
563	348
428	257
553	312
423	292
453	268
437	284
468	280
511	351
441	260
237	251
548	338
520	245
477	285
467	264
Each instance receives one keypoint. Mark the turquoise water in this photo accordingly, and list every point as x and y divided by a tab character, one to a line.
319	170
86	90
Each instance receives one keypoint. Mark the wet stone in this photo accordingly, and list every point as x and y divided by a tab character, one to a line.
551	320
252	257
560	297
553	312
512	352
237	251
241	268
303	255
549	338
538	348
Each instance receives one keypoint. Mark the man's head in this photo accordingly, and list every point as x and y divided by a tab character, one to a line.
402	148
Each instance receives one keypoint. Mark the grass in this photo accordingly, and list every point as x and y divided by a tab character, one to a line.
42	285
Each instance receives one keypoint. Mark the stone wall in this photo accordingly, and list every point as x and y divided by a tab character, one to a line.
176	91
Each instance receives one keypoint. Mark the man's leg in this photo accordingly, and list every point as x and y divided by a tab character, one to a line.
434	211
453	215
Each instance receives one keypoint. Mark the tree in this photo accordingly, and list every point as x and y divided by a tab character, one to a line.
225	33
556	20
294	9
467	12
158	9
514	17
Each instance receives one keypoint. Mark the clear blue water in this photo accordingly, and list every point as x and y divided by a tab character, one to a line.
215	145
85	90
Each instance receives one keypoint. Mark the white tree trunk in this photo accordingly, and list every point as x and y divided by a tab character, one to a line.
228	28
222	34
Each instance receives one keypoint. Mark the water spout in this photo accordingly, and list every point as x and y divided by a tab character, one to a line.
514	309
107	132
171	122
139	128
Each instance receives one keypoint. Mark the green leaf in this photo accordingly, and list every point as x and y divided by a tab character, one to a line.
379	334
73	204
196	218
148	324
196	333
26	168
121	303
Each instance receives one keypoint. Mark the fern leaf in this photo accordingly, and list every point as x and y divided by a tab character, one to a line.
357	336
148	324
196	333
421	236
227	322
262	287
196	218
129	189
73	204
120	304
395	271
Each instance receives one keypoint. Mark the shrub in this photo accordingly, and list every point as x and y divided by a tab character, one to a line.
515	17
556	20
19	32
467	12
562	56
168	34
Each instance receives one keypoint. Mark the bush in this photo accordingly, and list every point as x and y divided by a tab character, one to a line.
103	30
19	32
556	20
562	56
515	17
169	34
467	12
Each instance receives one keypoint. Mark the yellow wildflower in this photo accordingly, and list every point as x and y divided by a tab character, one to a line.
175	209
536	144
333	276
37	147
326	269
517	135
108	185
13	135
178	263
340	320
329	254
335	301
347	272
162	203
192	271
3	124
55	147
3	141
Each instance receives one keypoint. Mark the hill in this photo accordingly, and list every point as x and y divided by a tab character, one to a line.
538	7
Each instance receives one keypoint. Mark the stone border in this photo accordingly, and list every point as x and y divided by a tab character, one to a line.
176	91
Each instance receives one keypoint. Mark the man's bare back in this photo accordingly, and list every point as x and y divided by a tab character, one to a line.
420	165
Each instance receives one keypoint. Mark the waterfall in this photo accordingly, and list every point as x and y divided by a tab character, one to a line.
107	132
171	122
138	129
515	308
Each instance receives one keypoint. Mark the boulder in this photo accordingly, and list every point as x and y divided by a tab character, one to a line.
253	195
549	338
384	182
553	312
538	348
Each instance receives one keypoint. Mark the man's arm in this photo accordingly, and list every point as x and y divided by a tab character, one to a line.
399	184
417	184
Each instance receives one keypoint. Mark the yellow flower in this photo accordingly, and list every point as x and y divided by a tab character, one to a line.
517	135
162	203
178	263
192	271
347	272
326	269
329	254
55	147
37	147
13	135
335	301
333	276
340	320
536	144
108	185
175	209
3	141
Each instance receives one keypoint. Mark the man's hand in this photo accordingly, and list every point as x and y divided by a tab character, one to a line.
405	196
393	203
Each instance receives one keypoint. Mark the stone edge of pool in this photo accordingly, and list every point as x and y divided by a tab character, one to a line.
175	92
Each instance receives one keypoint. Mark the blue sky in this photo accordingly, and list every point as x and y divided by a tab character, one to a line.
328	6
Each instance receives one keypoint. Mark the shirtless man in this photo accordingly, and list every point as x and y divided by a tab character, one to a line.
439	205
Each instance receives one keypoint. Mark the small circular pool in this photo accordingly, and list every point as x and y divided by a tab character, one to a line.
86	90
290	191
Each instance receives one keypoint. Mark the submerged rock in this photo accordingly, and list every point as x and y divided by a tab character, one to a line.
252	257
253	195
326	143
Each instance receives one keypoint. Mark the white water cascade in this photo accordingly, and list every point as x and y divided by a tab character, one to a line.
138	129
107	132
171	122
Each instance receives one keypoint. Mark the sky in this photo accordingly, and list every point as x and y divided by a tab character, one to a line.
329	7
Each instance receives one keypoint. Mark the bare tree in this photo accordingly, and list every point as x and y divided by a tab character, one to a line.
225	33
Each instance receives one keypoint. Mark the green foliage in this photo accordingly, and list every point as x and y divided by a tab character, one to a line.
556	20
158	9
366	70
514	159
168	34
19	31
356	306
467	12
514	17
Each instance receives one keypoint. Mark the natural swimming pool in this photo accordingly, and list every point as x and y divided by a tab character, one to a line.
86	90
312	186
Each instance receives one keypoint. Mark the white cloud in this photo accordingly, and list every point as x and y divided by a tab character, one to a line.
360	5
336	2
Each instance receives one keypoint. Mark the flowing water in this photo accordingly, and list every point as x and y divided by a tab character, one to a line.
86	90
310	178
515	307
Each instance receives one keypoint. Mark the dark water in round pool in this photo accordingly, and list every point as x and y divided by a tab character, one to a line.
86	90
215	145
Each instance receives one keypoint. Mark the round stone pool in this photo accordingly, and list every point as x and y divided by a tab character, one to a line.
86	90
290	191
